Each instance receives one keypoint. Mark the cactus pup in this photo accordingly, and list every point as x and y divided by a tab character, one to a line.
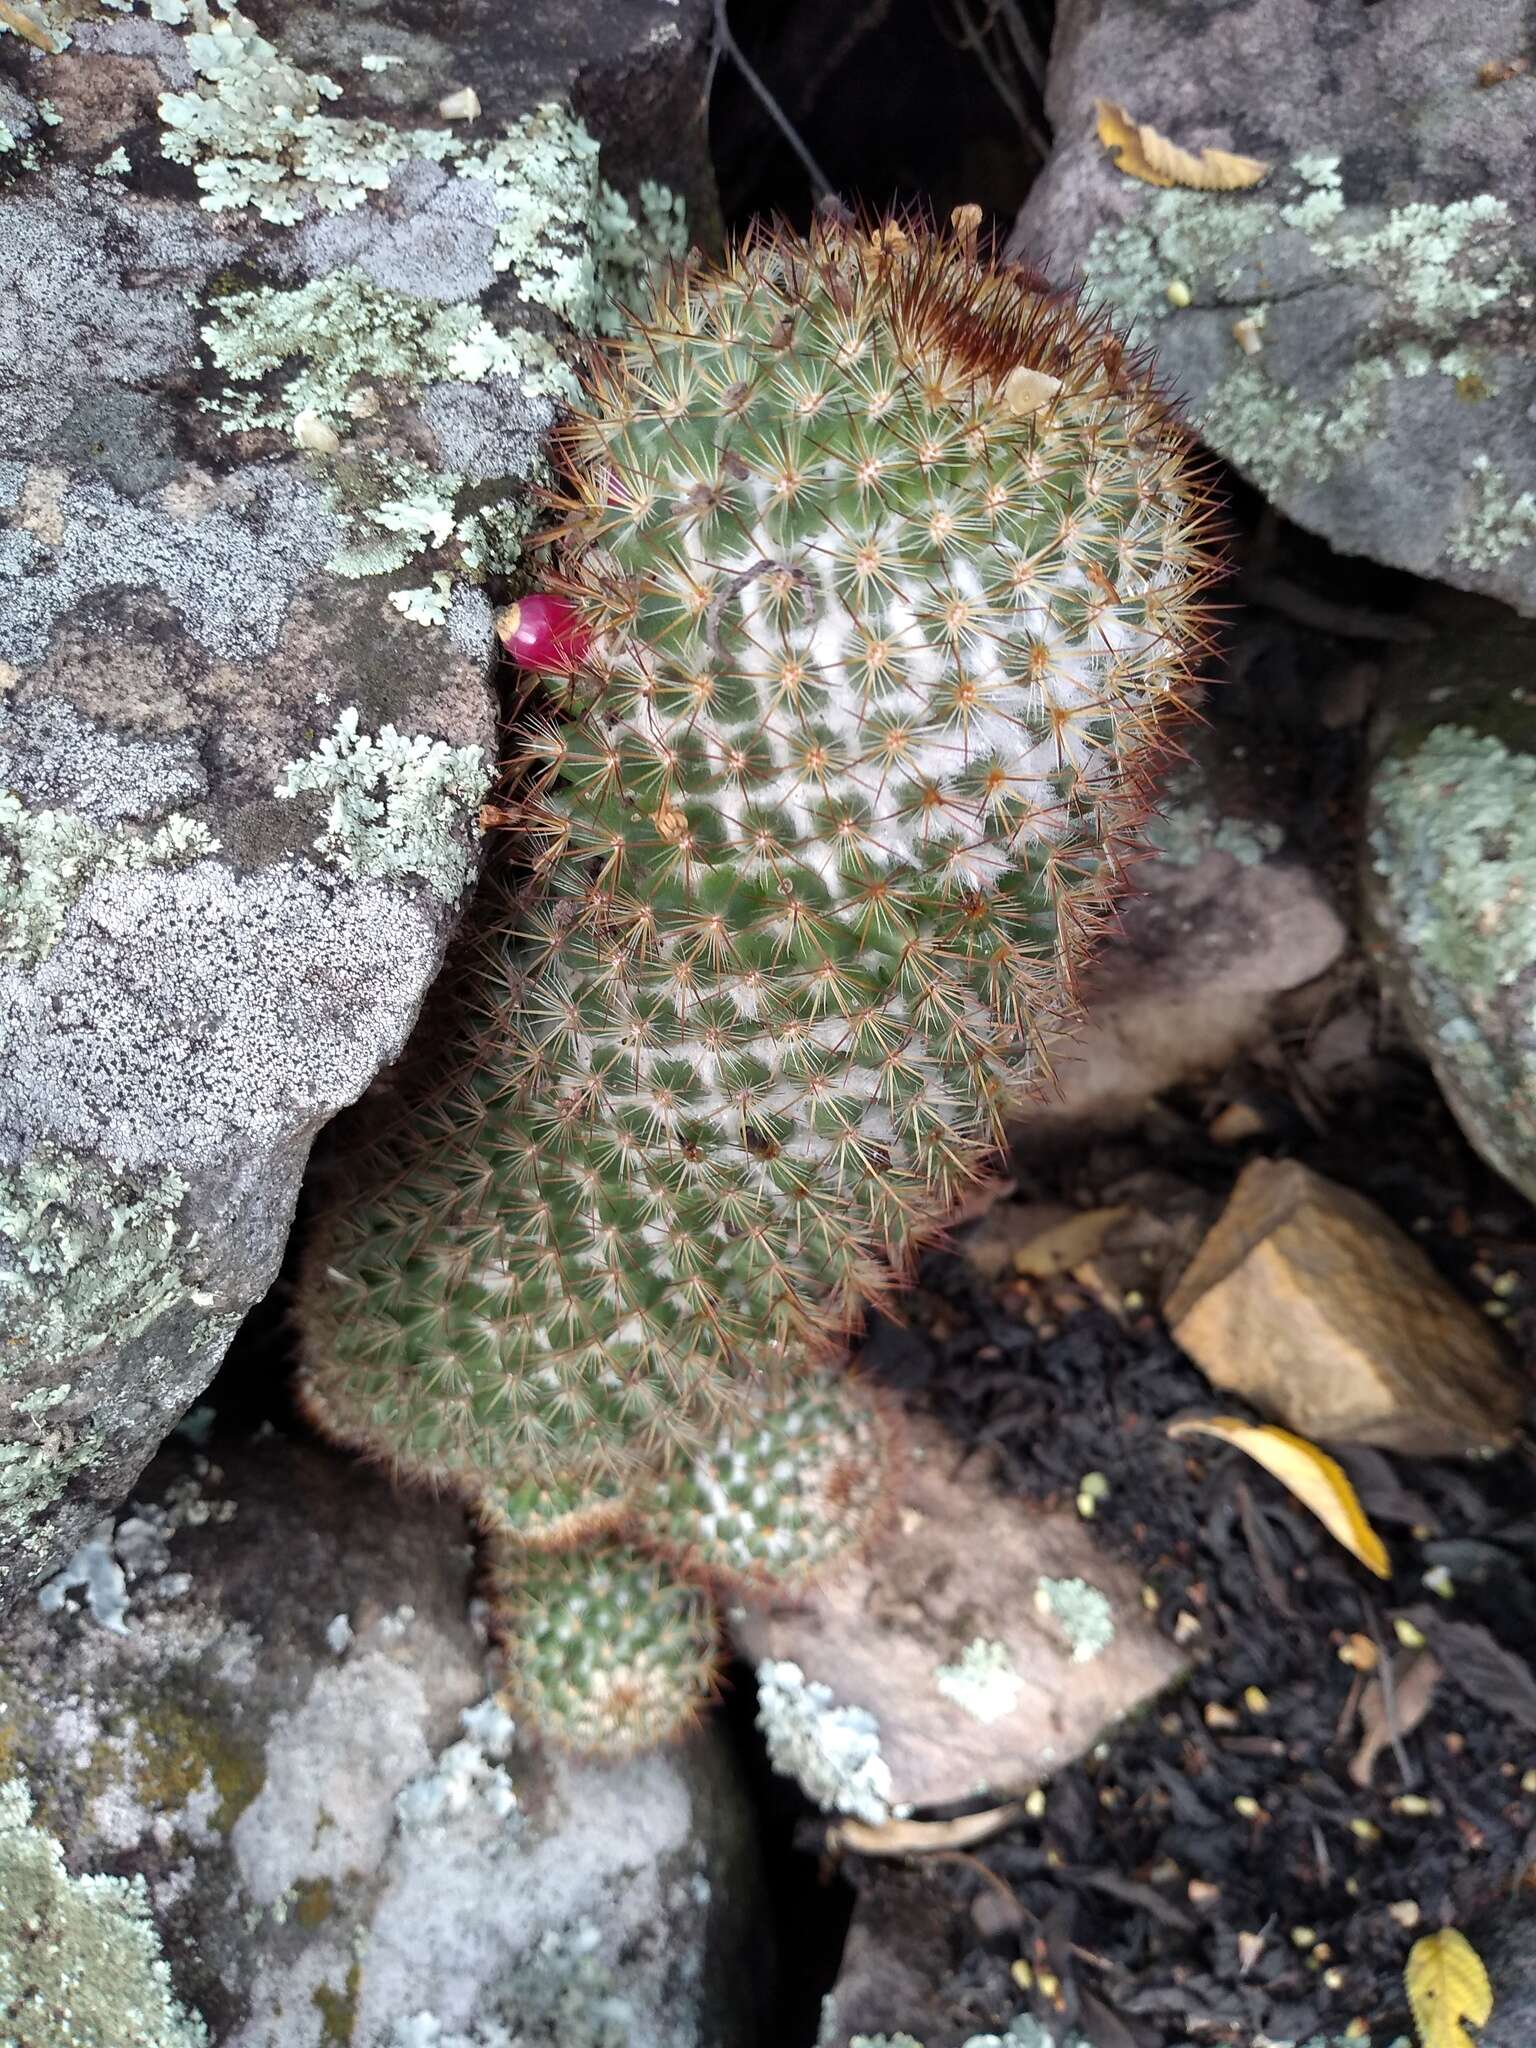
873	603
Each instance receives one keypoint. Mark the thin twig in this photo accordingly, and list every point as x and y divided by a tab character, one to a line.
1388	1683
821	184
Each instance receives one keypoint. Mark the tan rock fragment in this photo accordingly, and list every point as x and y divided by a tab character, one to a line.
1308	1301
953	1635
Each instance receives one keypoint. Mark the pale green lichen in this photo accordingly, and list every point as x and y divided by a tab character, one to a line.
80	1960
116	165
393	507
1440	265
49	857
1433	268
1081	1612
254	134
427	605
88	1252
569	238
1276	438
832	1751
1187	826
1324	202
338	335
1024	2031
1454	841
1497	522
396	804
984	1682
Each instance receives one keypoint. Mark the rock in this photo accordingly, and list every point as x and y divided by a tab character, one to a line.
274	396
982	1646
1308	1302
1381	275
1506	1941
286	1736
1451	852
1225	917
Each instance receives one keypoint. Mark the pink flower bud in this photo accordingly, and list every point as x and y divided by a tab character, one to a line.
544	631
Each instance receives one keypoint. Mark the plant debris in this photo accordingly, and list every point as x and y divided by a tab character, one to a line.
1347	1766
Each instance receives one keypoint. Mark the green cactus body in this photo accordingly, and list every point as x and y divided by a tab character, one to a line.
889	569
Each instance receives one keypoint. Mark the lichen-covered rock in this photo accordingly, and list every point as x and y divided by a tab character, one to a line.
280	347
1450	862
1381	280
262	1705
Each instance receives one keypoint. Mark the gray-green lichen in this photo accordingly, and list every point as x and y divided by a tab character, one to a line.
393	507
1188	826
80	1960
254	134
984	1681
1496	522
394	801
1082	1613
48	857
832	1751
1429	270
1453	841
88	1253
336	338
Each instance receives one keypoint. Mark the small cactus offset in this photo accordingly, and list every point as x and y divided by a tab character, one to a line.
875	598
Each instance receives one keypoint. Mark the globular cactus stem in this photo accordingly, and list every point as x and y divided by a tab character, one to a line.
873	605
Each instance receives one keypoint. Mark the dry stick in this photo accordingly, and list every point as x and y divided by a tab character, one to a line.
821	184
1388	1694
1001	1884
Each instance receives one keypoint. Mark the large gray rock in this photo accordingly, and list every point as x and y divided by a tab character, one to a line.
1387	264
278	348
1450	875
1507	1944
266	1698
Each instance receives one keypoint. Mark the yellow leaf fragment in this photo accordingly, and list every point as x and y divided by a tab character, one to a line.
1316	1480
28	27
1140	152
1446	1984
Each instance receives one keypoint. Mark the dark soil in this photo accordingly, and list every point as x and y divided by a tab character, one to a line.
1214	1873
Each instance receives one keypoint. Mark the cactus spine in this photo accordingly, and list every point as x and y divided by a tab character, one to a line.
885	570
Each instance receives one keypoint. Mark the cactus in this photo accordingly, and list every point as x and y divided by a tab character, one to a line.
878	580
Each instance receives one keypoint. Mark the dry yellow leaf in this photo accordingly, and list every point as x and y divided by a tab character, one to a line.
1446	1984
28	27
1317	1481
1140	152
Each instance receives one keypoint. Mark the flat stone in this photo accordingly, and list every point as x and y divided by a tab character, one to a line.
1306	1300
1224	917
1384	266
247	715
267	1696
984	1644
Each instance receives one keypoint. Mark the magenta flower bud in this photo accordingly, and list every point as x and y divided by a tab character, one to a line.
543	631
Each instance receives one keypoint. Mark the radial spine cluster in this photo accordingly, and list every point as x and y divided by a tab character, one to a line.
883	571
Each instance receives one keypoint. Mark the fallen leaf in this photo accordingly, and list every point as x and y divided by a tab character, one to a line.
1140	152
1414	1679
1481	1666
922	1837
1446	1984
1066	1244
1317	1481
27	27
